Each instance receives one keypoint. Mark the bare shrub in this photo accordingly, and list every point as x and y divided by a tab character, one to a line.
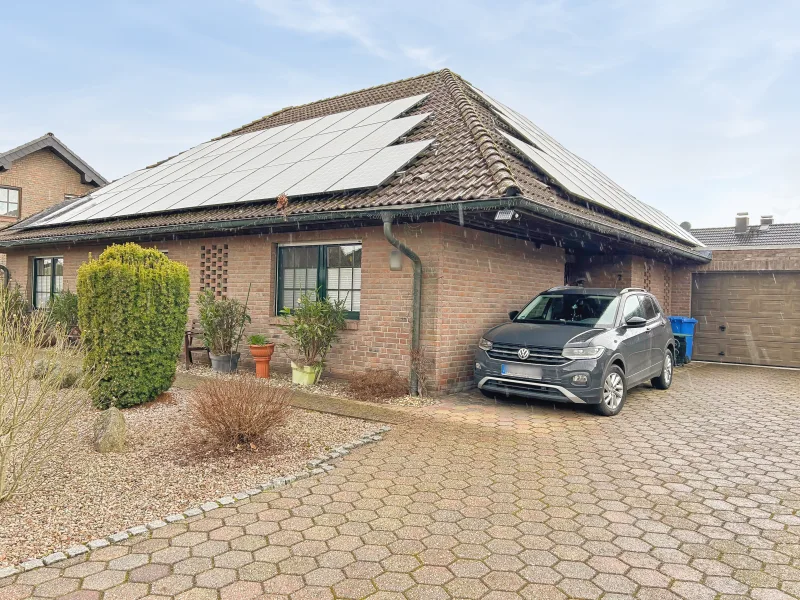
422	366
241	411
378	385
42	389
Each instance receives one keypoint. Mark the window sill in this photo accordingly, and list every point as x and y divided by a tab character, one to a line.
349	324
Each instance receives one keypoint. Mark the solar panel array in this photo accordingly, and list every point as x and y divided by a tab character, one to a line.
344	151
577	176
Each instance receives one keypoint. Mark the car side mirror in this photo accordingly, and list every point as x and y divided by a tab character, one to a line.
513	314
635	322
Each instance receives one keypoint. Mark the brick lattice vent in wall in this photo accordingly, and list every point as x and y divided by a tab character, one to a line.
214	268
647	275
667	289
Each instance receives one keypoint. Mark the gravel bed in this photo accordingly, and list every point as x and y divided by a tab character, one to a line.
336	388
89	495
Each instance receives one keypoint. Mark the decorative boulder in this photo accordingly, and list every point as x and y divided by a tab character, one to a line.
109	431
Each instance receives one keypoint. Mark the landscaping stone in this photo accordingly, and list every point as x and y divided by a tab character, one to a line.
109	431
54	558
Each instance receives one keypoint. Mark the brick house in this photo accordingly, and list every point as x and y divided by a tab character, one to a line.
353	196
41	174
747	299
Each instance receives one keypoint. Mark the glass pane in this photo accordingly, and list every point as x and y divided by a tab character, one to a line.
344	275
299	274
3	195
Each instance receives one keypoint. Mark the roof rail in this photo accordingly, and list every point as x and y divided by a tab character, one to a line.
631	289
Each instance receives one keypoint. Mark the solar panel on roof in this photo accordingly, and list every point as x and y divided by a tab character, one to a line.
578	176
380	167
348	150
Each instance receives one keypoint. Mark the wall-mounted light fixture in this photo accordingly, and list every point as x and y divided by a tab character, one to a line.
395	260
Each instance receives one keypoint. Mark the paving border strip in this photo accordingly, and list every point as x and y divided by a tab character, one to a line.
315	466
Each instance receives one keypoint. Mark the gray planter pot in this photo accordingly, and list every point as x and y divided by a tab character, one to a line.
227	363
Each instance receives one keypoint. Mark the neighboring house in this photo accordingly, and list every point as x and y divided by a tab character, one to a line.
354	194
41	174
747	300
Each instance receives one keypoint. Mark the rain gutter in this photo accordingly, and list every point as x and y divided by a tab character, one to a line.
416	296
409	210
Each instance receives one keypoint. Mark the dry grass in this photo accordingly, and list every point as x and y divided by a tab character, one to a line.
378	385
241	412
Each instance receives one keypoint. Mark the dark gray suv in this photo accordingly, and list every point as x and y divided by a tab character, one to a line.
581	345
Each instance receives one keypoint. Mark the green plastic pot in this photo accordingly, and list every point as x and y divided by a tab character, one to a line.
304	375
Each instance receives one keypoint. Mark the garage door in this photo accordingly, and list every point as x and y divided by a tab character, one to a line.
749	318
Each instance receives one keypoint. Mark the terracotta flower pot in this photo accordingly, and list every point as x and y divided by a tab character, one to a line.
262	355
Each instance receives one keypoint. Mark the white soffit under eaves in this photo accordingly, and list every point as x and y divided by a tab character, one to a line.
576	175
345	151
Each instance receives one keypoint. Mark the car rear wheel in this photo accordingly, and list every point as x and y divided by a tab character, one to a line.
614	392
663	381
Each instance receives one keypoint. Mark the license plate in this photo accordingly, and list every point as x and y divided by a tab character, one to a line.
527	371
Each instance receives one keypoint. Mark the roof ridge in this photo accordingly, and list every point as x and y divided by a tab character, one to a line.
497	165
49	140
366	89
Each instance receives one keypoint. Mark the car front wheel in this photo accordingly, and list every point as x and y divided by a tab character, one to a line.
663	381
614	392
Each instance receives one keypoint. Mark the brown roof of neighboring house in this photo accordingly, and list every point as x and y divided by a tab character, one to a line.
468	162
48	140
775	235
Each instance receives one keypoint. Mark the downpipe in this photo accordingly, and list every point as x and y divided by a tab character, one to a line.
416	295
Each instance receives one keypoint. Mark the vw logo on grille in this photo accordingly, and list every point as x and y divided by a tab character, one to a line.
523	353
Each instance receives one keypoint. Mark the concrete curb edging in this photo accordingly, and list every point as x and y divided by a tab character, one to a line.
315	466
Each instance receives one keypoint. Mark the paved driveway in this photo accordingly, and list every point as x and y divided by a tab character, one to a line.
693	493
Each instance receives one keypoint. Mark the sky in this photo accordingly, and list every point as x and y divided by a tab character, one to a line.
690	105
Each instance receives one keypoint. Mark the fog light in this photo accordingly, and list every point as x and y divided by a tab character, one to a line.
478	366
580	379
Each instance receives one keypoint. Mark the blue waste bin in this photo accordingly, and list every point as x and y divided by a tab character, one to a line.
685	327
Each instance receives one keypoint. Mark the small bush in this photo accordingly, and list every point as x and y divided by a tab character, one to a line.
13	305
223	321
41	392
313	327
132	307
258	340
239	411
64	309
378	385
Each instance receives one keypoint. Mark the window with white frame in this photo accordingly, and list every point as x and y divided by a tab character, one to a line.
9	202
332	270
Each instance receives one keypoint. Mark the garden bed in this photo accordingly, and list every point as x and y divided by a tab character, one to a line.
89	495
327	386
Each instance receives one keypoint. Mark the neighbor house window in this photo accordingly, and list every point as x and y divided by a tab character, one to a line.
48	279
333	271
9	202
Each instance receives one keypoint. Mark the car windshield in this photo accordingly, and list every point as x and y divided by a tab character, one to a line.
573	309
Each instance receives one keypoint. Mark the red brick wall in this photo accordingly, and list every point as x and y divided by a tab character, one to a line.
781	259
470	281
483	276
45	179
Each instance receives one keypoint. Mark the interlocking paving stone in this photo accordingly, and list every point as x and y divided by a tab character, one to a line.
688	494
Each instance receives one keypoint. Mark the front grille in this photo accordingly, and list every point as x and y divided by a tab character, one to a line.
538	356
512	387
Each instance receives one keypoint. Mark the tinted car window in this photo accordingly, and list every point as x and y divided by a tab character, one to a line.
633	308
649	308
578	309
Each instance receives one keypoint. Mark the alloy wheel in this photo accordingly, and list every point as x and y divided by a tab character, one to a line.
668	369
613	388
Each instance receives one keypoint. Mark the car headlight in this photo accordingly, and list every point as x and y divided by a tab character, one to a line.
593	352
485	344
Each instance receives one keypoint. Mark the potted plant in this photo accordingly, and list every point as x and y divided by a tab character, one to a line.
223	321
313	327
261	350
